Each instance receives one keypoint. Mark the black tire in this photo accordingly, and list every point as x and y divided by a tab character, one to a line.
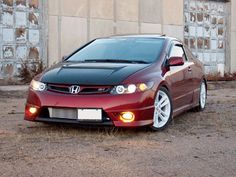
170	114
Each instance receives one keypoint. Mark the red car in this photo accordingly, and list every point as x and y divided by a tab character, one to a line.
124	81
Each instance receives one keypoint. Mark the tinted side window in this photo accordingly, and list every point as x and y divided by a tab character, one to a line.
177	51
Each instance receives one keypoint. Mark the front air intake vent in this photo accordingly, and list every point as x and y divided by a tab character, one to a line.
84	90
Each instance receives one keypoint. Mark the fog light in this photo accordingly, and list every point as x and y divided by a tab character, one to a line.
127	117
33	110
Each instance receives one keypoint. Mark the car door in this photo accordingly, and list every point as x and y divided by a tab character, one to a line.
189	77
195	73
181	79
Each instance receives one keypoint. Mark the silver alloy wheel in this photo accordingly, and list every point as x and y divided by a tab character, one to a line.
203	95
162	110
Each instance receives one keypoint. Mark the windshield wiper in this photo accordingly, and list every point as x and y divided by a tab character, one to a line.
115	61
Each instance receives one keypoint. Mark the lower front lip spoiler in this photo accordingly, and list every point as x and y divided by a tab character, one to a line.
71	121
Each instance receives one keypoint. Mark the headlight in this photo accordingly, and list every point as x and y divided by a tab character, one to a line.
38	86
131	88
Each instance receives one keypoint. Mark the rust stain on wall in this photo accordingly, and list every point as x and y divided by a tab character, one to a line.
200	43
200	17
7	2
220	20
21	3
34	4
33	19
20	35
34	53
192	43
207	43
213	20
220	31
186	41
8	69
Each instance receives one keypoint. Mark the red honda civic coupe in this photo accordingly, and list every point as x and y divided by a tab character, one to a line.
124	81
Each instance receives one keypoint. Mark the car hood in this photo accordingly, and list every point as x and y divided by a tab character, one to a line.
90	73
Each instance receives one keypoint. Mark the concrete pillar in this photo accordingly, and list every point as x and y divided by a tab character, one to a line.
150	16
173	20
233	37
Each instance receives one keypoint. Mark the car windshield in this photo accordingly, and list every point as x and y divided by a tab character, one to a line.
130	50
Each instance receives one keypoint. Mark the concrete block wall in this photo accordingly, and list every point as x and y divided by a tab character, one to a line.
22	40
74	22
233	37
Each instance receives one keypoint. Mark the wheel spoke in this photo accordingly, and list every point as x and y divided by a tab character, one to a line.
157	97
164	103
163	118
163	99
164	113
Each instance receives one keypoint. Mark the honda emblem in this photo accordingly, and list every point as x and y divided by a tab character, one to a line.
74	89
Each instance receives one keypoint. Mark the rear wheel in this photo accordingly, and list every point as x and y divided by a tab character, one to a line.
162	109
202	97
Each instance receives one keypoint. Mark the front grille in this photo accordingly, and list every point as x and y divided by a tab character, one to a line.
70	114
83	89
63	89
62	113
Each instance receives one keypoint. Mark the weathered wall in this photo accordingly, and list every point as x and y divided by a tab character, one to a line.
55	28
233	37
74	22
205	32
21	35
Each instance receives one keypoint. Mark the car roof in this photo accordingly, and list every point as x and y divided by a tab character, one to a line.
144	36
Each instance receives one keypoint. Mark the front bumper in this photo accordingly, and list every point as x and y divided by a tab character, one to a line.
140	103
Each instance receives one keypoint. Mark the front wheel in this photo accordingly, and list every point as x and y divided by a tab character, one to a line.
162	109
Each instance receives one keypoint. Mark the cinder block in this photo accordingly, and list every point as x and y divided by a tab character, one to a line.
150	11
127	10
73	34
125	27
174	31
53	47
100	28
173	12
151	28
74	8
102	9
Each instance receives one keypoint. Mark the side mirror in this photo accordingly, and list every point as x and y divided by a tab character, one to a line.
175	61
64	57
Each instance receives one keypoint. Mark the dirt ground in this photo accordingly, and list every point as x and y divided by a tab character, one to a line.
195	144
